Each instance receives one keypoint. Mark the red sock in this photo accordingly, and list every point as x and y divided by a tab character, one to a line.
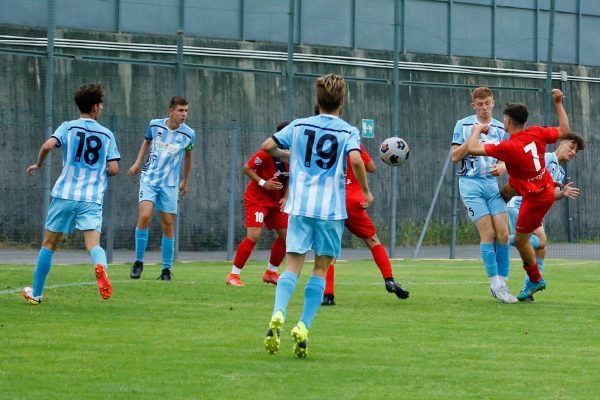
243	253
383	261
329	280
533	272
277	252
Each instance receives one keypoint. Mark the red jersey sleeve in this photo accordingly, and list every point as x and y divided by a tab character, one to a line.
498	151
550	135
257	159
366	158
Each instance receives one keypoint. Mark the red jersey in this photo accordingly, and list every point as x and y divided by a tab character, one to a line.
266	167
352	184
523	154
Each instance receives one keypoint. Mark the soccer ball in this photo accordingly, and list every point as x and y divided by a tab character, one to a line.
393	151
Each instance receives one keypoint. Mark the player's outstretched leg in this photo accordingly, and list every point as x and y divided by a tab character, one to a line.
300	335
272	338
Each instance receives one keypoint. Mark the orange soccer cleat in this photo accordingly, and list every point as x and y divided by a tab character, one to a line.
234	280
270	277
103	282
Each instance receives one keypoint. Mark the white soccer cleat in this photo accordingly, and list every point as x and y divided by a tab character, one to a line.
28	294
503	295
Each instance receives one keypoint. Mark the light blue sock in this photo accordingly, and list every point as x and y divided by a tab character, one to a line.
503	259
44	262
99	257
535	242
284	290
511	240
488	255
313	295
168	248
141	241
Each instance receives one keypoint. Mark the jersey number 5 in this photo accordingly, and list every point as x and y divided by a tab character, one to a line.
93	144
536	158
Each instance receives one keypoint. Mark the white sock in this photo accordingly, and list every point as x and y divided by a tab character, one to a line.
235	270
272	268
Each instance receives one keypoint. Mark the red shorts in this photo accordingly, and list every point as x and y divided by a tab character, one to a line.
271	217
533	209
358	222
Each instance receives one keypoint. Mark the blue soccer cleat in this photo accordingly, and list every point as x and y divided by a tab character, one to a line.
530	289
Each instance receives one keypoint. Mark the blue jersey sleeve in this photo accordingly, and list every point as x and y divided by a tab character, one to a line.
457	136
113	152
148	135
353	142
60	134
284	136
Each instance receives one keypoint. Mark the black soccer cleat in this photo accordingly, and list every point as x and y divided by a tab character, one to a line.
328	300
165	275
136	270
393	287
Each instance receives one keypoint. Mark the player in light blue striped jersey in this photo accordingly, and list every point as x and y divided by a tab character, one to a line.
480	193
316	203
90	156
170	142
565	152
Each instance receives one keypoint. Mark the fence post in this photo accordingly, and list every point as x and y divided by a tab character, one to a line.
453	213
110	196
49	98
233	171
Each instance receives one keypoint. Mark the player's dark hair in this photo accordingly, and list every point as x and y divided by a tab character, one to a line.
282	125
517	112
330	91
177	101
316	109
89	95
578	140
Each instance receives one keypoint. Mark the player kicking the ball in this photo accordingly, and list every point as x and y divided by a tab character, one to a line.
523	154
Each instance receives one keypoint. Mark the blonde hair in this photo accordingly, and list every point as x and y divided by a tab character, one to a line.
481	93
330	91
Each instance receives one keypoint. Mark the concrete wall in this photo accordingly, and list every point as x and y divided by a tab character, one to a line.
137	93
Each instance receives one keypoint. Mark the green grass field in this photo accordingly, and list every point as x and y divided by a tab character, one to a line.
196	338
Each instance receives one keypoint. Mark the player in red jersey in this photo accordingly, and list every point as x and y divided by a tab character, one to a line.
360	224
263	204
523	155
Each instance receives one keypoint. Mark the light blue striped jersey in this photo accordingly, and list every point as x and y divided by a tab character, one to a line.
318	148
166	153
556	171
87	147
477	166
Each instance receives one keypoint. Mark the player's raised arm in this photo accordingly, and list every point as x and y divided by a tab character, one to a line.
563	120
44	150
474	147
